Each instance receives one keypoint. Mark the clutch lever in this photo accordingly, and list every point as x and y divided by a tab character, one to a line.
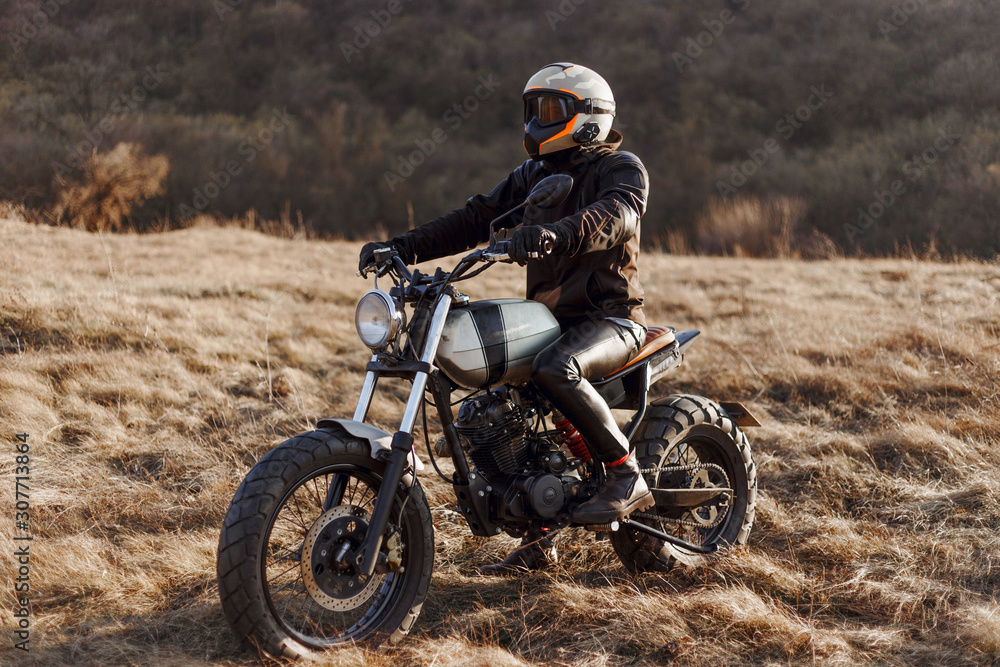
384	259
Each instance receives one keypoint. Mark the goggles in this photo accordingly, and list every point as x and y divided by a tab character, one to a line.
551	108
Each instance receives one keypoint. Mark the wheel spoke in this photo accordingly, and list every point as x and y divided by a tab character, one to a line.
277	576
290	583
289	600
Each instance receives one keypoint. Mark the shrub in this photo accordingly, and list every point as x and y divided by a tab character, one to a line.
113	184
750	225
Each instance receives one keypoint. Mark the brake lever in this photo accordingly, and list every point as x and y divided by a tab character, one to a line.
502	255
496	252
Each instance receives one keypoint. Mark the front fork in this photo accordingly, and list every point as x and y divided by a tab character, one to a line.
366	556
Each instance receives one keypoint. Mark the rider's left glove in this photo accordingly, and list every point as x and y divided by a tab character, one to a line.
532	242
368	252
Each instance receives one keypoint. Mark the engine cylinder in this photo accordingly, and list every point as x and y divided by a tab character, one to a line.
493	429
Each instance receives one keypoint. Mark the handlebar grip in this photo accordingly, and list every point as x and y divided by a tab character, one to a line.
545	246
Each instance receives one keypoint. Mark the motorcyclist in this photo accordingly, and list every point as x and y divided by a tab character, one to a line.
589	281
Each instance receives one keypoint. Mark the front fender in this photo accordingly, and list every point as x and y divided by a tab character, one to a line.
378	440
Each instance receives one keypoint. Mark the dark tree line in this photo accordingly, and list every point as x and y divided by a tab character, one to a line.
874	124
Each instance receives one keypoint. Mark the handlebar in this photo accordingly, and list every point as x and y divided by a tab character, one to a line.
386	259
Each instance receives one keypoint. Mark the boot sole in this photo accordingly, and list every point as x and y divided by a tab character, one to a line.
641	503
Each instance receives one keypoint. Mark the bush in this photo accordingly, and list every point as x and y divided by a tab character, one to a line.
750	225
113	184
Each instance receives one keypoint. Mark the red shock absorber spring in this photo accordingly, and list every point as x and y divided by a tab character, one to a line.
571	437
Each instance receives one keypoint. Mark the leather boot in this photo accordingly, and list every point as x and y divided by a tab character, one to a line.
624	491
535	553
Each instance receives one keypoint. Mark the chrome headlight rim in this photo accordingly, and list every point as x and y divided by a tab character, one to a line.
393	315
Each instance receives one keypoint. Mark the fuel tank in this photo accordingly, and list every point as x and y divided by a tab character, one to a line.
494	341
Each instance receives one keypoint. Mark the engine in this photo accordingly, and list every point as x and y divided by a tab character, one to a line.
495	431
524	475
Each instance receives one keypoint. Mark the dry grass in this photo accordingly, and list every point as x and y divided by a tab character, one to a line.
152	371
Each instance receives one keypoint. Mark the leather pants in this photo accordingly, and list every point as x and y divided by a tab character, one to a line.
588	351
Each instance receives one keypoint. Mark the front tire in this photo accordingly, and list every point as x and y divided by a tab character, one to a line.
302	503
705	448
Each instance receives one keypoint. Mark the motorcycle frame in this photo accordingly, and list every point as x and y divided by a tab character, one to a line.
627	388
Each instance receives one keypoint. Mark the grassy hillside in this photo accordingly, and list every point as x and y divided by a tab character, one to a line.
152	371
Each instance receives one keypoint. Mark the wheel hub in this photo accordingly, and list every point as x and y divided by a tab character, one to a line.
332	581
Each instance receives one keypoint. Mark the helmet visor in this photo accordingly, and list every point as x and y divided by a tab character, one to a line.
548	109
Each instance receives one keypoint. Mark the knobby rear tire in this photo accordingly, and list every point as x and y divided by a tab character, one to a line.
279	481
685	429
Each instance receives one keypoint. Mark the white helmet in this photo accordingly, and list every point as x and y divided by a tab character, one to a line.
565	106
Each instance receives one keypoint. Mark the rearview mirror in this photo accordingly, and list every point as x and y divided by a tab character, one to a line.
550	191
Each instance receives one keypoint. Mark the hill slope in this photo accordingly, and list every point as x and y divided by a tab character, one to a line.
152	371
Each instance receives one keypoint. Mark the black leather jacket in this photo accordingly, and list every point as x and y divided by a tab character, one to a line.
598	224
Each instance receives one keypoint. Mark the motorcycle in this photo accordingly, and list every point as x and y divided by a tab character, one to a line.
329	542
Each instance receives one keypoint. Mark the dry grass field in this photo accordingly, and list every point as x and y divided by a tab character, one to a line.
152	371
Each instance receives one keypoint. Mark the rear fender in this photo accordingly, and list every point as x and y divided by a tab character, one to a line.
379	441
739	413
685	339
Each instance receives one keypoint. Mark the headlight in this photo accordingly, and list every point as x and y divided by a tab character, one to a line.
377	319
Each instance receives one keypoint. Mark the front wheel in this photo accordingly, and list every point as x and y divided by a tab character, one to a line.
285	582
689	442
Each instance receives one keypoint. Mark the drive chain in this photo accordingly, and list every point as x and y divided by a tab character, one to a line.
690	467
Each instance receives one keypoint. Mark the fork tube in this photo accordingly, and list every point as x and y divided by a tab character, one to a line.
432	339
402	445
365	399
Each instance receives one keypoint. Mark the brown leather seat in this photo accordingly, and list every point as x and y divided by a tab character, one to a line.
657	338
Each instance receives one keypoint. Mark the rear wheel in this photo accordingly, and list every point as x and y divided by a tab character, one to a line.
285	583
689	442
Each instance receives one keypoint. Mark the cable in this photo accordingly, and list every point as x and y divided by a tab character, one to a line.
427	442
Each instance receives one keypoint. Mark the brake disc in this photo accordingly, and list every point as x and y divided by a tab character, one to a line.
333	585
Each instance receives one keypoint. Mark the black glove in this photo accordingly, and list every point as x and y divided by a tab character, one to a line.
531	239
368	253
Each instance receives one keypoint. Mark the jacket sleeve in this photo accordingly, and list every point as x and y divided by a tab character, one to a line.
614	218
465	227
